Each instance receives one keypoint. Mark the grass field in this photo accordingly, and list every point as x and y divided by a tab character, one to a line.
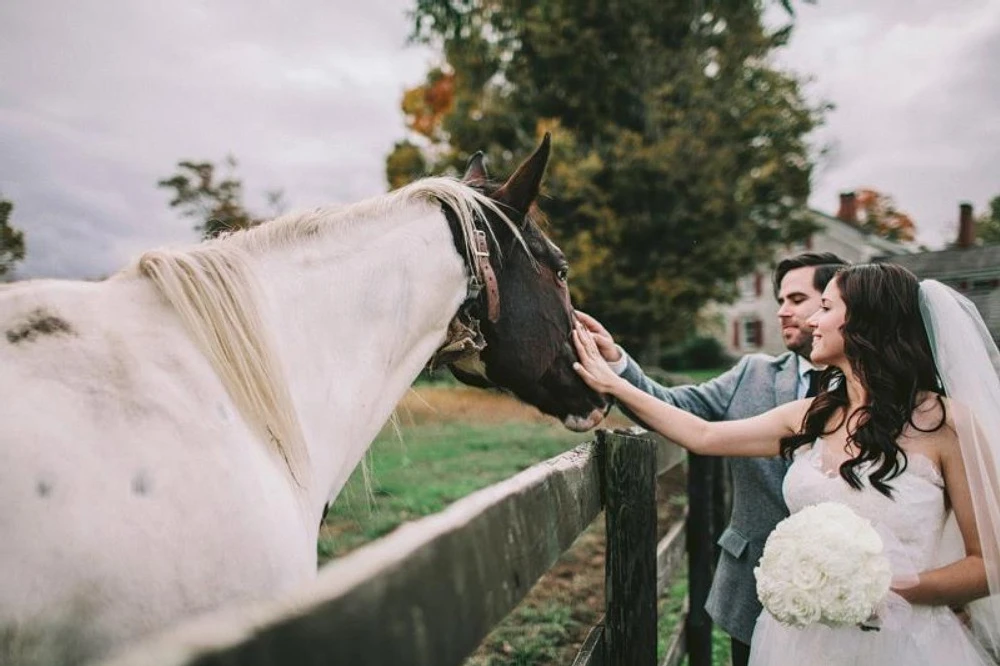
450	441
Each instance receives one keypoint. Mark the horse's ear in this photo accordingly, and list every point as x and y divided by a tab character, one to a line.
521	189
475	170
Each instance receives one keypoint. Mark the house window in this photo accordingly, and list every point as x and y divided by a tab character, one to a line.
751	286
748	333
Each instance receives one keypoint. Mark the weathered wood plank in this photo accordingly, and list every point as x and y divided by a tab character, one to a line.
630	564
676	646
668	454
670	554
425	595
592	651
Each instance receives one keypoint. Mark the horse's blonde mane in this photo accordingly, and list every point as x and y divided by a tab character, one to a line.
214	291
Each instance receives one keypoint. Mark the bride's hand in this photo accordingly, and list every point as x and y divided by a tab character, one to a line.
592	367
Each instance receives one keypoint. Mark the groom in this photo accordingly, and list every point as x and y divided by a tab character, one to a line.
755	385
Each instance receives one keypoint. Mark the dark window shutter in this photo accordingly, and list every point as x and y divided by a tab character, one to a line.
736	333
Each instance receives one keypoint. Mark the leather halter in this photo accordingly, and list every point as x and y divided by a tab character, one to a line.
484	276
464	337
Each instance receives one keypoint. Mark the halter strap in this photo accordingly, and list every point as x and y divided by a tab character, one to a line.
485	276
464	337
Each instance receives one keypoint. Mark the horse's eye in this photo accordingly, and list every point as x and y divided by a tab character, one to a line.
563	273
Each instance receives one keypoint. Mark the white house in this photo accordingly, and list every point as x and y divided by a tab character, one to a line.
965	266
750	323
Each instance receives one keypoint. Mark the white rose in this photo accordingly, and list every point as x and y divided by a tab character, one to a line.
822	564
838	564
868	540
808	576
803	607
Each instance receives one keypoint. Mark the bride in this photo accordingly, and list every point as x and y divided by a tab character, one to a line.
906	432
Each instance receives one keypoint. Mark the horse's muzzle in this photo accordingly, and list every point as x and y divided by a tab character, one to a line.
585	423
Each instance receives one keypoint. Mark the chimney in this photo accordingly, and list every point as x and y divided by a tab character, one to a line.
848	208
966	226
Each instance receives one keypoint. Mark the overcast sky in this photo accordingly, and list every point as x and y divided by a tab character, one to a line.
99	100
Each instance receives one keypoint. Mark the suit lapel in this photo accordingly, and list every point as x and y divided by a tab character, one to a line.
786	381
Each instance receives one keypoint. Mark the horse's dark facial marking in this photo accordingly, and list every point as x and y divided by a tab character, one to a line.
528	348
37	324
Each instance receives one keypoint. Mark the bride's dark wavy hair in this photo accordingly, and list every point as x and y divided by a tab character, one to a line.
886	345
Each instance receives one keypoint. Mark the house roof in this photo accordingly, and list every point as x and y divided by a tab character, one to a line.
951	264
960	269
875	241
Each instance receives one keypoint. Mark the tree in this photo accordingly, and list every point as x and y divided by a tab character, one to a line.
11	241
988	224
680	159
879	215
216	205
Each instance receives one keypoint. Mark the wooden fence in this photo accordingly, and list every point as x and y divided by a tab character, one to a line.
428	593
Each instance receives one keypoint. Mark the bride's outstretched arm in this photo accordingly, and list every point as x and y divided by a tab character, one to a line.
965	580
757	436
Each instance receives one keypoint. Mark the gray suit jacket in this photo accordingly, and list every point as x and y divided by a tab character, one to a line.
755	385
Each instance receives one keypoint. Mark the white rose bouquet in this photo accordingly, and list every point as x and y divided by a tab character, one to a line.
823	564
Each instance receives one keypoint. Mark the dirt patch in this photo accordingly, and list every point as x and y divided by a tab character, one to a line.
550	624
576	583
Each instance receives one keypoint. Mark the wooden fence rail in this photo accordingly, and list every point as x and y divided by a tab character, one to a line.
428	593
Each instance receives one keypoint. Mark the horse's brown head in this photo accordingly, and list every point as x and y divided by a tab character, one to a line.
528	347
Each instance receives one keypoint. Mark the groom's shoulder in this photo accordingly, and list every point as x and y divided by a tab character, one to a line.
766	362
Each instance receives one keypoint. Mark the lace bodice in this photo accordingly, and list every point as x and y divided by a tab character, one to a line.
915	516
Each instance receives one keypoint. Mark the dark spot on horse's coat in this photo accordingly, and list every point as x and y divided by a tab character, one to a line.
37	324
43	488
141	483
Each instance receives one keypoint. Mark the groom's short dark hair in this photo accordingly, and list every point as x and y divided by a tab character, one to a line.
827	264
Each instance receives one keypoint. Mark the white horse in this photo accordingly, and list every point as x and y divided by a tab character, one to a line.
170	437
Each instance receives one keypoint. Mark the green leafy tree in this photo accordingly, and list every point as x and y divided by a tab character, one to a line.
215	202
680	153
988	224
11	241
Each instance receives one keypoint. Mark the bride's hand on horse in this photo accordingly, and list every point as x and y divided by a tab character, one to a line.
605	342
592	367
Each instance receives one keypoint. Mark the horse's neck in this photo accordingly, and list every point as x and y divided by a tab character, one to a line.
357	312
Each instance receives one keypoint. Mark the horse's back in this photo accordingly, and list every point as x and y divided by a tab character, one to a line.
116	437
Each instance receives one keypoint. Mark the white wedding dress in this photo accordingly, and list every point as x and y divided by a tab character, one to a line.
916	518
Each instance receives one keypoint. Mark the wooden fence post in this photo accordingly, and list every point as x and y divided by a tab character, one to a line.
701	552
630	562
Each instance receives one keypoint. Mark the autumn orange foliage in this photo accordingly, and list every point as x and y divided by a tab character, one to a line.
426	105
879	214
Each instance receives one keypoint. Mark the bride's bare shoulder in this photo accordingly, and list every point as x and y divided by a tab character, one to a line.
932	409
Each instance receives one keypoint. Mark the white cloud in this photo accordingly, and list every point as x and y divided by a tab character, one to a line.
917	98
99	100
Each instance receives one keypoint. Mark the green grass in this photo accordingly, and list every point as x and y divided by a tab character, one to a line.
529	636
431	467
440	462
670	607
